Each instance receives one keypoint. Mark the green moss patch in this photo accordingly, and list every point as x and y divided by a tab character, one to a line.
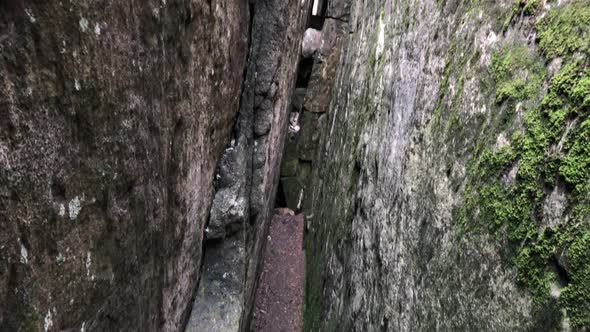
565	30
517	74
552	150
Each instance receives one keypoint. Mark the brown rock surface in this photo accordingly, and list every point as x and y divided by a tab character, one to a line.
279	298
113	115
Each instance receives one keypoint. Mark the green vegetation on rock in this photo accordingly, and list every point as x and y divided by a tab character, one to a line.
551	152
522	7
517	74
565	30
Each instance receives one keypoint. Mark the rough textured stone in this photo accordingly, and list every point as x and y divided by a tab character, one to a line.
323	75
221	301
298	98
254	160
308	138
292	188
289	166
113	115
386	249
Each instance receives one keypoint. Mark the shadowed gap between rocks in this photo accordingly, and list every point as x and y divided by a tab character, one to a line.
246	178
295	170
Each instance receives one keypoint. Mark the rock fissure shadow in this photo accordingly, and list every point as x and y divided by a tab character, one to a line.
304	71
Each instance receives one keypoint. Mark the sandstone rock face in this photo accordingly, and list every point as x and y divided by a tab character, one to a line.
113	115
452	191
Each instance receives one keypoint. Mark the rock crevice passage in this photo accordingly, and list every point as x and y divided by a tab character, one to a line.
439	149
247	174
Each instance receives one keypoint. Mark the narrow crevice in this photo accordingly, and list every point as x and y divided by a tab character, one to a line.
343	18
207	242
281	201
317	21
292	184
562	276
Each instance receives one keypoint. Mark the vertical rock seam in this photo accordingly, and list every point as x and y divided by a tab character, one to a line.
248	172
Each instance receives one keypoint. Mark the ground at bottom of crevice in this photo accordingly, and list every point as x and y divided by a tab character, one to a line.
279	297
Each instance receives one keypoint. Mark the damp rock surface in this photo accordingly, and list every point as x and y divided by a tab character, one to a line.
249	172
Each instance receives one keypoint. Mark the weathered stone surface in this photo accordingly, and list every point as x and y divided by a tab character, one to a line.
298	98
386	248
289	166
113	115
309	136
221	286
230	208
325	66
260	131
292	188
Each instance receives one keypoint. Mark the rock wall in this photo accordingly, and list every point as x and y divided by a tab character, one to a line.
248	173
453	186
113	115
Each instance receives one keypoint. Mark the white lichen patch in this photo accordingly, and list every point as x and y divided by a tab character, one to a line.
501	142
60	258
555	290
24	254
554	207
74	207
83	24
380	39
29	13
77	85
62	210
89	265
565	322
4	156
97	29
48	321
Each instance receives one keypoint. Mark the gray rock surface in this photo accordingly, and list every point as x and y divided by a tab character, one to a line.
220	295
384	248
